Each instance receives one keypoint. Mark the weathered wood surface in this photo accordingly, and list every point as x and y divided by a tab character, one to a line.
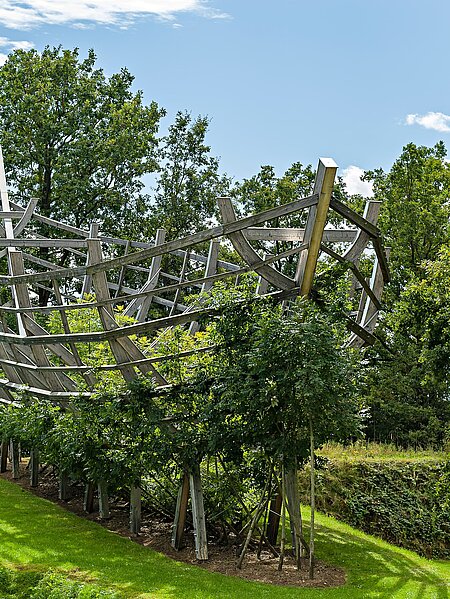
315	225
198	515
169	246
15	458
24	357
4	456
34	467
135	509
180	513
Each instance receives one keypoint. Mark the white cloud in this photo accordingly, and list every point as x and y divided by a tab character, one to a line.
27	14
432	120
352	179
9	45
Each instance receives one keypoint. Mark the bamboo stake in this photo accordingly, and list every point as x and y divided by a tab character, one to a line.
313	502
283	518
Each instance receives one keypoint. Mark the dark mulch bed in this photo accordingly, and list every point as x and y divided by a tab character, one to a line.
156	534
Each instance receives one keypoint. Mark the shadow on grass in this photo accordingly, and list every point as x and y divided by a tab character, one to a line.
37	533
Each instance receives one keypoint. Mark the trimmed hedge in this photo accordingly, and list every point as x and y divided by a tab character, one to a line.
405	503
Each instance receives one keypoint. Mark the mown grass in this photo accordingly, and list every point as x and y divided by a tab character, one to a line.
37	535
377	452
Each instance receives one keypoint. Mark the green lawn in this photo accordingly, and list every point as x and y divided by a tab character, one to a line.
38	534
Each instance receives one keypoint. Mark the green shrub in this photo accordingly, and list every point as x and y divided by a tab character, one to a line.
405	503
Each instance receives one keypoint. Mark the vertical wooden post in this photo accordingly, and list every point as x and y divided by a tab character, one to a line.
88	504
63	488
293	504
87	283
4	456
180	513
15	459
317	218
198	515
103	501
135	509
34	467
274	519
313	502
210	269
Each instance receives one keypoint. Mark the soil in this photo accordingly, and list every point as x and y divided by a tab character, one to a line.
156	533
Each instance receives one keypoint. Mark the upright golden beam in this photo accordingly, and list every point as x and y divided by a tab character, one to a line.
317	219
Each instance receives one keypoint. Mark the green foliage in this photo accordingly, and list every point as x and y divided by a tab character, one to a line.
56	586
407	503
415	210
189	182
276	373
75	139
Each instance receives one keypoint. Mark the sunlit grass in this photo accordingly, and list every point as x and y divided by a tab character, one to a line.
362	451
37	534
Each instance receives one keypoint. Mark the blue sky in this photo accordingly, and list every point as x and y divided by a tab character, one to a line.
281	81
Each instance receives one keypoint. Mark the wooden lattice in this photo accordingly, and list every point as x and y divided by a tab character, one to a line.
136	281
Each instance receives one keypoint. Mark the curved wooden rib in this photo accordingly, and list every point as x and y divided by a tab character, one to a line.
371	212
247	253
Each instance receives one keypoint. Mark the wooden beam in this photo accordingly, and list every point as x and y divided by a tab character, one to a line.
315	225
170	246
247	253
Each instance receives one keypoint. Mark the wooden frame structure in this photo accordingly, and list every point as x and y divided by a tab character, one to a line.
43	364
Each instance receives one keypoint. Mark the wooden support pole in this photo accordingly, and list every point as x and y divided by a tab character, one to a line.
63	486
198	515
4	457
180	513
293	505
34	467
15	459
135	509
274	519
317	218
103	500
88	504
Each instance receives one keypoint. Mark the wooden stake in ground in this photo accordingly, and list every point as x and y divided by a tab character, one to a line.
313	502
4	457
180	513
283	518
15	459
34	467
198	514
103	500
135	509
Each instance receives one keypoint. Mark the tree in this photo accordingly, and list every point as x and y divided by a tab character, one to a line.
408	386
76	140
415	210
189	181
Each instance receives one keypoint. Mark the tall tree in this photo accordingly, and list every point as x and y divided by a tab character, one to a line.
77	140
189	181
415	210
